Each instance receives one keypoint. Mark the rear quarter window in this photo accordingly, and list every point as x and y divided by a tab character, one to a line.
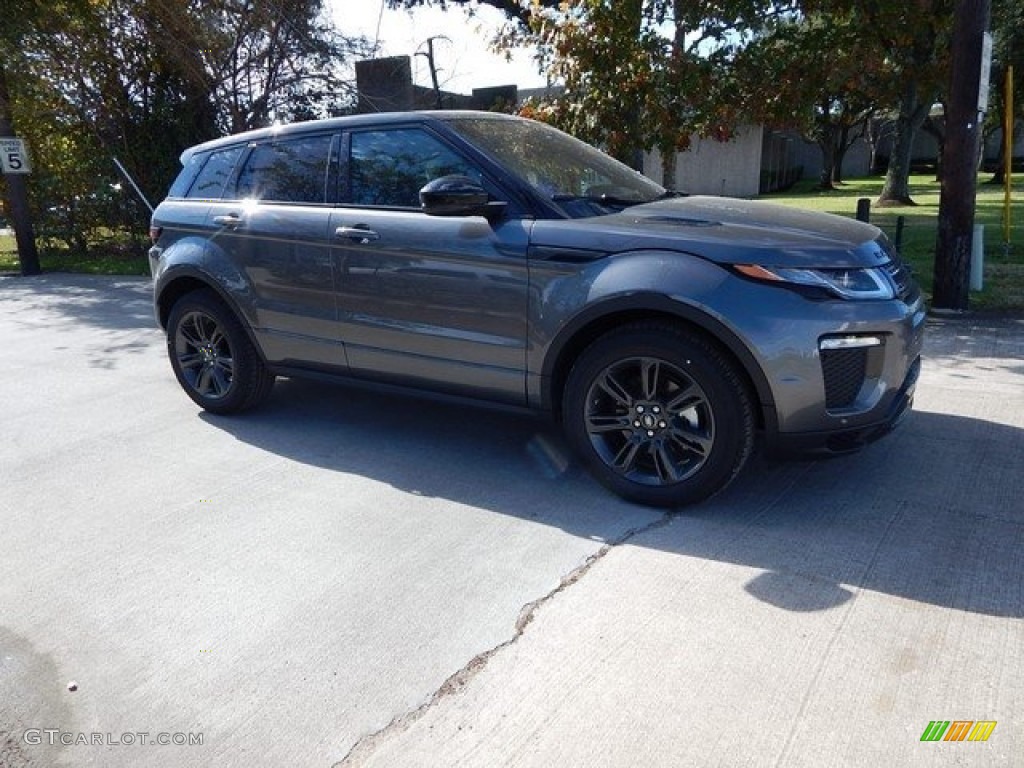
190	169
214	175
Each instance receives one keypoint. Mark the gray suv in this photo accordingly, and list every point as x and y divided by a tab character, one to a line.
497	259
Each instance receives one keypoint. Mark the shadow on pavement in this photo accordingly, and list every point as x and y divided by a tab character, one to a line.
930	514
102	302
933	513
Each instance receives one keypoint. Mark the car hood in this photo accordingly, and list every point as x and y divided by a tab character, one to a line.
724	230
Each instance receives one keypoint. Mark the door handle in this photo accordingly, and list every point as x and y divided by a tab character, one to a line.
231	220
358	233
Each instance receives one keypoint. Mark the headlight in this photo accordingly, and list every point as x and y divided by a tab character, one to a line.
845	282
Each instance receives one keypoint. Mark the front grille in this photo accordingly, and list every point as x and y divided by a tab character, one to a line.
844	371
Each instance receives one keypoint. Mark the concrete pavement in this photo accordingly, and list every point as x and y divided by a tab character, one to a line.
346	578
817	614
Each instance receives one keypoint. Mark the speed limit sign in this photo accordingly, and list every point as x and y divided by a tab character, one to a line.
13	156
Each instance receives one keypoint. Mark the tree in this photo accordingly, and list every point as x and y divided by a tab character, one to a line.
628	69
276	59
14	187
143	79
914	39
517	12
821	77
637	75
1007	51
17	193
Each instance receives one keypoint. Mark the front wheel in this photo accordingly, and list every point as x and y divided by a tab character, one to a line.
212	357
659	416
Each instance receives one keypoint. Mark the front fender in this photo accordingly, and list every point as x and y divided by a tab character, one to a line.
619	289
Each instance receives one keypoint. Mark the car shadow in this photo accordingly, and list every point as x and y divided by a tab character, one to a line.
931	514
491	459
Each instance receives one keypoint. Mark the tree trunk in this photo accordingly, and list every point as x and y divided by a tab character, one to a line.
999	176
913	111
828	160
668	169
842	147
17	192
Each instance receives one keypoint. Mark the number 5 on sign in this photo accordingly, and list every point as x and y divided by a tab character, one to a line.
13	156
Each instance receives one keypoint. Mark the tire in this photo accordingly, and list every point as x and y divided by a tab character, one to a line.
212	356
658	415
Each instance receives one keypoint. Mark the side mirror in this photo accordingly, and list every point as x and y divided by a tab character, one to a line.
457	196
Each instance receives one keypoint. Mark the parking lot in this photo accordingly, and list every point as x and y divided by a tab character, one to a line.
349	578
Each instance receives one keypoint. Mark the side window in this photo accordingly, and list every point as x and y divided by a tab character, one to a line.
209	184
292	171
390	167
187	175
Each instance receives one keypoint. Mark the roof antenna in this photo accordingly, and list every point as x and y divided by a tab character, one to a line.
131	181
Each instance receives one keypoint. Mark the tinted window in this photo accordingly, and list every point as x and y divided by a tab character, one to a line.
217	170
390	167
293	171
582	179
187	176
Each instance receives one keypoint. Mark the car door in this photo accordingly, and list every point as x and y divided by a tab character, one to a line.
427	300
273	230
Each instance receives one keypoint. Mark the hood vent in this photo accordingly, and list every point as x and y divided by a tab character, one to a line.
680	221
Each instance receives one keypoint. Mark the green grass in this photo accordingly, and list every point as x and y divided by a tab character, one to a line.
106	258
1004	272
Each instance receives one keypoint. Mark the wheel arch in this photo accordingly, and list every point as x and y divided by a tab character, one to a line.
600	319
187	279
183	280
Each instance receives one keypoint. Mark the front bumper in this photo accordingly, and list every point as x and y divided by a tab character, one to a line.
840	441
840	373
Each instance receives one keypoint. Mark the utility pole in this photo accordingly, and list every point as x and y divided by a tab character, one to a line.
964	113
17	192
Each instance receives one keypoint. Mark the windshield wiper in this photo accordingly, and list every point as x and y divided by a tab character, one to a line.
611	200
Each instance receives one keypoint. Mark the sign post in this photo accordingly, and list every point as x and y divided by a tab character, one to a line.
1008	158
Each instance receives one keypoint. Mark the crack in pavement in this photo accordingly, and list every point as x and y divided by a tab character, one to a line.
367	744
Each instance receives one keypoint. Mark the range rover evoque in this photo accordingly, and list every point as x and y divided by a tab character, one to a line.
495	258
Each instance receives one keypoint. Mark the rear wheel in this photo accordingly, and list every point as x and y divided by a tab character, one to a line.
659	416
212	357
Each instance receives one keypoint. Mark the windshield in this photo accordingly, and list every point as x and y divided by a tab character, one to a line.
582	180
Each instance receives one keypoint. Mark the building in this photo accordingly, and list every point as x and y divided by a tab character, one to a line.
386	85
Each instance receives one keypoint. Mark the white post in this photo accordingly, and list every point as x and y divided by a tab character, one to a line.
978	258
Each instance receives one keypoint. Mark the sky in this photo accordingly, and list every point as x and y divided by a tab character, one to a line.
461	54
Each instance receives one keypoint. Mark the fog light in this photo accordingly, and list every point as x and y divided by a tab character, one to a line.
849	342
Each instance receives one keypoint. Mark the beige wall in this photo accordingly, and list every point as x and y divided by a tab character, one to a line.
710	167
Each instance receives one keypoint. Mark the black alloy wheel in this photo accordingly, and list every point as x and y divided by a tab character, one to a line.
659	416
213	358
